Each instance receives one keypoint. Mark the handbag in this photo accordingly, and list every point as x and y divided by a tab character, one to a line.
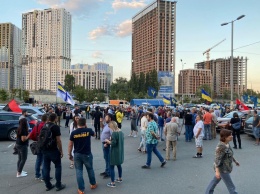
237	125
34	148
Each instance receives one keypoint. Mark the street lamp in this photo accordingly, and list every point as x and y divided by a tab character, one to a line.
231	59
182	81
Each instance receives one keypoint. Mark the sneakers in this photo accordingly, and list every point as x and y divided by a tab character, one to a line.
93	186
119	180
106	176
62	186
42	179
102	173
163	163
197	156
21	175
135	136
24	172
111	185
80	192
50	188
130	135
146	167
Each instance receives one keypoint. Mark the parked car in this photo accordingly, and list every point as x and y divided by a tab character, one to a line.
249	125
36	111
9	122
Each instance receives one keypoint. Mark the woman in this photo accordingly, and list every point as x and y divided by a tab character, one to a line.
116	153
223	163
144	124
73	126
22	146
198	132
235	124
68	112
133	118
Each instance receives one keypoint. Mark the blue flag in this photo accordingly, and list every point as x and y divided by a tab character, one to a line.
64	95
245	98
152	92
205	95
254	100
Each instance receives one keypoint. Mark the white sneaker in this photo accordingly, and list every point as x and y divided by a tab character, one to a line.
24	172
130	135
135	136
21	175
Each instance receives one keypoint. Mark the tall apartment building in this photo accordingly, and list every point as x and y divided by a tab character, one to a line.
220	70
153	37
46	46
10	60
97	76
190	80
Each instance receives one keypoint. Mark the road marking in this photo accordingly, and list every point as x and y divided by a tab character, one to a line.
10	145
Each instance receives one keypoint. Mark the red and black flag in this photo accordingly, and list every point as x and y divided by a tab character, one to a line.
12	106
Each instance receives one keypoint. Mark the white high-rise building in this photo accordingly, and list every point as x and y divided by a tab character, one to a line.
46	47
10	56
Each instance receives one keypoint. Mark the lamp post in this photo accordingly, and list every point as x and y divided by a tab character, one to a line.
182	81
231	59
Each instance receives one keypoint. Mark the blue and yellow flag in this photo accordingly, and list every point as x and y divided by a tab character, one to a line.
166	100
205	95
152	92
64	95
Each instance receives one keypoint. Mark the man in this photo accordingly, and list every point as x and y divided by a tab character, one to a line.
167	120
39	160
194	115
213	124
53	154
106	134
217	112
24	114
199	134
129	109
58	112
188	126
256	127
97	116
119	117
207	117
87	111
140	112
171	132
76	111
81	140
151	142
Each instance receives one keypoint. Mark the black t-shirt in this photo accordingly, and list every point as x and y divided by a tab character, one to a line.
256	120
24	132
234	120
55	130
188	119
81	138
97	116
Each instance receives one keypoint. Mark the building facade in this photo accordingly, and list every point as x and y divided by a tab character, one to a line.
189	80
46	47
97	76
10	56
220	70
153	38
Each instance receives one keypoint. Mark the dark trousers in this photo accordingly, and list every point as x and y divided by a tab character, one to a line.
236	137
97	129
67	121
54	157
22	156
38	163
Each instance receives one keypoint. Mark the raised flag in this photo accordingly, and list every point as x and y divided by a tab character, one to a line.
166	100
12	106
152	92
243	106
205	95
64	95
245	98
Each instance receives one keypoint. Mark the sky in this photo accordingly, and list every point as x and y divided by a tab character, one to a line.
101	30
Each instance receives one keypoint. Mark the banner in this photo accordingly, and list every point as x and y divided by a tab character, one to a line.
166	80
64	95
152	92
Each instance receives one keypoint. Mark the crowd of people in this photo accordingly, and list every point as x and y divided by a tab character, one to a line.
161	124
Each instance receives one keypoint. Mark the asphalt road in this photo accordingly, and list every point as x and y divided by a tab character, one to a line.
186	175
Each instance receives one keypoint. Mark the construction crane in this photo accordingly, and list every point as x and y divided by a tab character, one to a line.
207	52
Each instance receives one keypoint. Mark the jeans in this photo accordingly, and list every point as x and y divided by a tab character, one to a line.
87	161
106	153
112	171
67	121
38	163
48	157
152	148
236	135
142	143
188	132
256	131
22	156
161	131
207	129
97	129
227	180
87	114
128	115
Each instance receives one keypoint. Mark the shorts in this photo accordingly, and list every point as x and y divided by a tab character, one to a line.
256	132
199	142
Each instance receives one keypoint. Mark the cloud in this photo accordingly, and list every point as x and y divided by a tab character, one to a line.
97	55
79	8
124	29
99	31
122	4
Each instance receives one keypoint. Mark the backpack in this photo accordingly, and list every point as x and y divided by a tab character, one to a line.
237	125
45	140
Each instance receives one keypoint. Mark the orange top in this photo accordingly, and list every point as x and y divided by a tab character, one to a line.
207	117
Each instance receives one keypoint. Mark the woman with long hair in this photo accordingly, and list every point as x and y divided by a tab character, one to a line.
133	118
116	153
22	143
144	124
73	126
236	124
223	163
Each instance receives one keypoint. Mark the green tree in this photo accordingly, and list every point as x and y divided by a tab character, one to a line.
141	83
13	93
90	95
26	95
226	94
134	83
80	93
120	85
186	99
101	97
154	79
3	95
147	80
69	82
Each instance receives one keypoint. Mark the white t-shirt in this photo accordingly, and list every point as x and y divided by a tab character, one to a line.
144	123
196	128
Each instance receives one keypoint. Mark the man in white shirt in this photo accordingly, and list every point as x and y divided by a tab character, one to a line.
198	132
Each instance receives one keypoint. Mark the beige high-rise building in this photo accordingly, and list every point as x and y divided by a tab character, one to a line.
220	70
10	56
46	42
153	38
190	80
